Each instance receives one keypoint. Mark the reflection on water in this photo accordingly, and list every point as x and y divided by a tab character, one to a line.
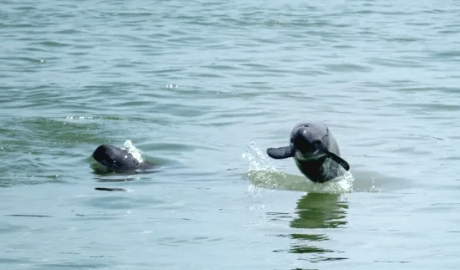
320	210
317	211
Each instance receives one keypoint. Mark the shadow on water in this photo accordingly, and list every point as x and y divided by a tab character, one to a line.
317	211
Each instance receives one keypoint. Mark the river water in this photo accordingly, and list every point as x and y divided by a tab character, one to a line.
203	88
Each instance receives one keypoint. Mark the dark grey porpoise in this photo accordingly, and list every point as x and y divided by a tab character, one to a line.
315	152
119	160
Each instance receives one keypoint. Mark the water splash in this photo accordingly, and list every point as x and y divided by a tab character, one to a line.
257	160
136	153
373	188
263	174
261	171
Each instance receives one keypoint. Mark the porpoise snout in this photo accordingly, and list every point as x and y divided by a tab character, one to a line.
304	140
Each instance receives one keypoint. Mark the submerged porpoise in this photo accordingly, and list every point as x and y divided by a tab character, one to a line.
119	160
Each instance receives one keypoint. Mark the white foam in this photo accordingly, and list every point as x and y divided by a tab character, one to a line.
136	153
257	160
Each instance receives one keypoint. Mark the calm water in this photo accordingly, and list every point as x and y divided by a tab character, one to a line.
203	88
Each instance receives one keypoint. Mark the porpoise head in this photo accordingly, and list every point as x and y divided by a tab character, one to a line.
115	158
308	142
